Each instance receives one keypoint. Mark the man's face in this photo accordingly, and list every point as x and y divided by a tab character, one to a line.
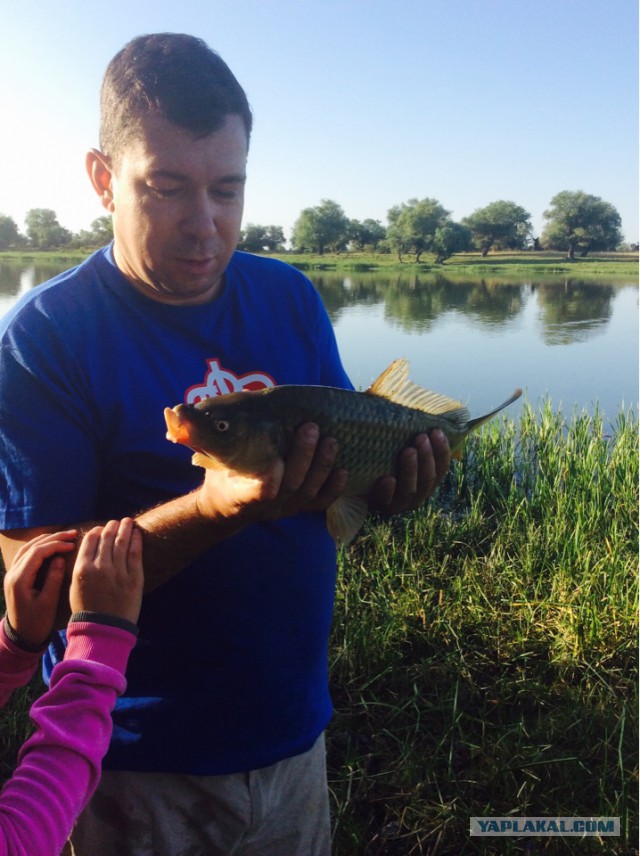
177	208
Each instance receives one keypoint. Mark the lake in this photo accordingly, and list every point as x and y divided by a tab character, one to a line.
574	341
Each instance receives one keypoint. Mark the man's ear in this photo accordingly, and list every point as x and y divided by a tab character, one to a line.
101	177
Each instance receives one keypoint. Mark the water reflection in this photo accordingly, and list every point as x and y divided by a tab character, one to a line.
568	312
17	279
575	312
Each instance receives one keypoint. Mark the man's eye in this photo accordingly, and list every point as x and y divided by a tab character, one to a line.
224	195
164	192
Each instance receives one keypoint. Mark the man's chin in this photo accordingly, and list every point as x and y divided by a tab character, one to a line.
185	290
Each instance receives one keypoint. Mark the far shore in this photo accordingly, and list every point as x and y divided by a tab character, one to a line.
540	261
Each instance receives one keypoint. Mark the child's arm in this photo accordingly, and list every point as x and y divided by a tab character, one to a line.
59	766
17	667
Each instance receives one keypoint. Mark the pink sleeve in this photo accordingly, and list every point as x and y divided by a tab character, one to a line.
59	765
17	667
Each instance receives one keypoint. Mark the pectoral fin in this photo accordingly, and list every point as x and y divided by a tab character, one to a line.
345	518
199	459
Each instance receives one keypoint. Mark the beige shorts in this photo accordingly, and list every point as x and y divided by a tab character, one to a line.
282	810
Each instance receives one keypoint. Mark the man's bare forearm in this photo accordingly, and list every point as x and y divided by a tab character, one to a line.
175	534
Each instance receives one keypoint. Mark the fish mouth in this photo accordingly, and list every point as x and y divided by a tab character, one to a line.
177	424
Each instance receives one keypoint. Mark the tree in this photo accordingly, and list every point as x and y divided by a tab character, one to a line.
324	227
501	225
413	224
100	234
102	230
578	220
367	233
256	239
9	234
43	229
451	238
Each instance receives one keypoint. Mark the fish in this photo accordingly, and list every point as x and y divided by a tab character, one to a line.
246	431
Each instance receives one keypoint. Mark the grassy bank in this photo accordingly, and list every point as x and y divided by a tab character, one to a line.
484	651
544	261
70	257
623	264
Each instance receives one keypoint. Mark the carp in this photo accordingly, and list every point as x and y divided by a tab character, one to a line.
247	431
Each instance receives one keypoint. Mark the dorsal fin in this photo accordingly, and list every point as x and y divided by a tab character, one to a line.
394	384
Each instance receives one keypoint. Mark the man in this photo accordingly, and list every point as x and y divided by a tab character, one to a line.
217	743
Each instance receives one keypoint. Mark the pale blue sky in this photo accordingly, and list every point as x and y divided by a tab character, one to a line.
367	102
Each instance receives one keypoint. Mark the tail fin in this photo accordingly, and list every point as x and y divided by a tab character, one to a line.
480	420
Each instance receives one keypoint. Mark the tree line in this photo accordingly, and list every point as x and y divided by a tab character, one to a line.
44	232
576	222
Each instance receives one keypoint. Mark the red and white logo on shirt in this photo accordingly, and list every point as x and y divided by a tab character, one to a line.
219	381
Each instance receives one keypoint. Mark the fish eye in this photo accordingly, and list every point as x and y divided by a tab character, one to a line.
221	425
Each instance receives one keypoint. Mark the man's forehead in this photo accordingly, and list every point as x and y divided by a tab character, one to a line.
158	144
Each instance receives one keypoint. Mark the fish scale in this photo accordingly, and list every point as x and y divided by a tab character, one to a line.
370	431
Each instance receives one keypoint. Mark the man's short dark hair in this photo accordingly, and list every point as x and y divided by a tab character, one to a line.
175	75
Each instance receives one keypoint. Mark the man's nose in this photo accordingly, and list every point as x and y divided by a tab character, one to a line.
201	219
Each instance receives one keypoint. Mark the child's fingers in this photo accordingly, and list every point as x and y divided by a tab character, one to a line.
105	555
53	580
134	554
89	547
52	542
27	567
122	542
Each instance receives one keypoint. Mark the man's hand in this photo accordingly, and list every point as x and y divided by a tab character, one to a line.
421	468
305	481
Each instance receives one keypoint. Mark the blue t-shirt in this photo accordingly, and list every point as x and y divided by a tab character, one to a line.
230	669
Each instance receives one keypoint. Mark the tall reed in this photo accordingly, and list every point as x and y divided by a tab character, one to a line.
484	652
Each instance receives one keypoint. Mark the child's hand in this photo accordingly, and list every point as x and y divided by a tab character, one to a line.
32	602
107	576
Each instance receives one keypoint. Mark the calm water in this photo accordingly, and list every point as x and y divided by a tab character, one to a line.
573	341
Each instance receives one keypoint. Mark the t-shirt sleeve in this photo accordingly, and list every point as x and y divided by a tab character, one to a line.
49	466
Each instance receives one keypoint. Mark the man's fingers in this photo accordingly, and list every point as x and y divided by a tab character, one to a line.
300	457
420	469
441	453
320	471
426	476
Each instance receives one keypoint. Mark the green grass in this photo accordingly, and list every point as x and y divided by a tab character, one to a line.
44	256
483	659
506	263
484	650
500	263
